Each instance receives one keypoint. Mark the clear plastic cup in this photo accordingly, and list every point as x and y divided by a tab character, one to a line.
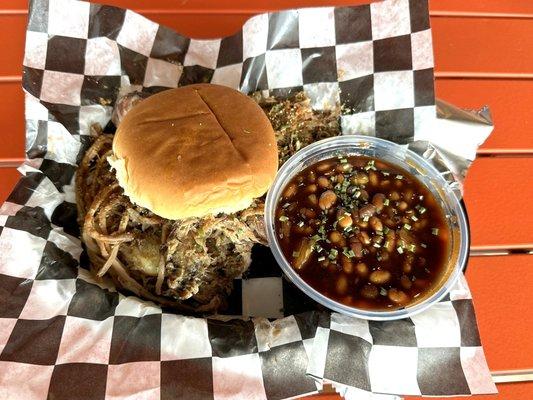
402	157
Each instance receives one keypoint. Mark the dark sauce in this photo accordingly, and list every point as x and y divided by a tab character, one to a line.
363	232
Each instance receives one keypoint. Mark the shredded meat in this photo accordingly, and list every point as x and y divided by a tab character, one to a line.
186	264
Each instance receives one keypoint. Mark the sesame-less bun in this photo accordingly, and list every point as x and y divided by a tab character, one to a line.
196	150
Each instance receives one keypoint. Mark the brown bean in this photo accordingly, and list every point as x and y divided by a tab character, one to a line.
342	284
375	223
384	256
363	224
364	195
385	184
327	199
305	249
406	282
289	191
394	196
347	264
397	296
357	248
340	178
367	211
363	237
324	166
313	200
361	269
378	201
323	182
311	177
345	220
373	178
369	291
380	277
398	183
420	224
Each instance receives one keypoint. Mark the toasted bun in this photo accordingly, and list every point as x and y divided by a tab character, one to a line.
196	150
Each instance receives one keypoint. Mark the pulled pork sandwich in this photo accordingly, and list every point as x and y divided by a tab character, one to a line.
171	205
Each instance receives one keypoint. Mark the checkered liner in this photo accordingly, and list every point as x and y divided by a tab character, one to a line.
65	335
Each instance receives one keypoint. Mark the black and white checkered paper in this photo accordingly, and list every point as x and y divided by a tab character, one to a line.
63	335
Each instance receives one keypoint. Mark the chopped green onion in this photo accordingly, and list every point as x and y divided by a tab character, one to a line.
316	238
285	205
414	218
283	218
435	231
422	210
385	173
407	226
383	291
386	230
399	177
400	250
333	253
295	253
420	197
424	245
386	202
366	218
412	248
321	230
328	241
335	224
343	160
301	224
321	258
376	245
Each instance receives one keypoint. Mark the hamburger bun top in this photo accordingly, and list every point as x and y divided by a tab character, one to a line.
195	150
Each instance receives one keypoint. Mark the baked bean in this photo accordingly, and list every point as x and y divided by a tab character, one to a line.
408	195
311	177
340	178
323	182
357	248
307	213
305	249
337	238
312	188
313	199
398	183
344	167
342	284
385	184
327	199
367	211
302	230
364	195
402	206
324	166
345	220
406	282
347	264
397	296
364	238
286	229
369	291
394	196
379	277
360	178
373	178
290	191
378	201
375	223
361	269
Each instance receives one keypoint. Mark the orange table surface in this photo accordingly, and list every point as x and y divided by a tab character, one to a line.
483	56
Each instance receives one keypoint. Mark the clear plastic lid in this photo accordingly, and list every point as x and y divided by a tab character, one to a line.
353	145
